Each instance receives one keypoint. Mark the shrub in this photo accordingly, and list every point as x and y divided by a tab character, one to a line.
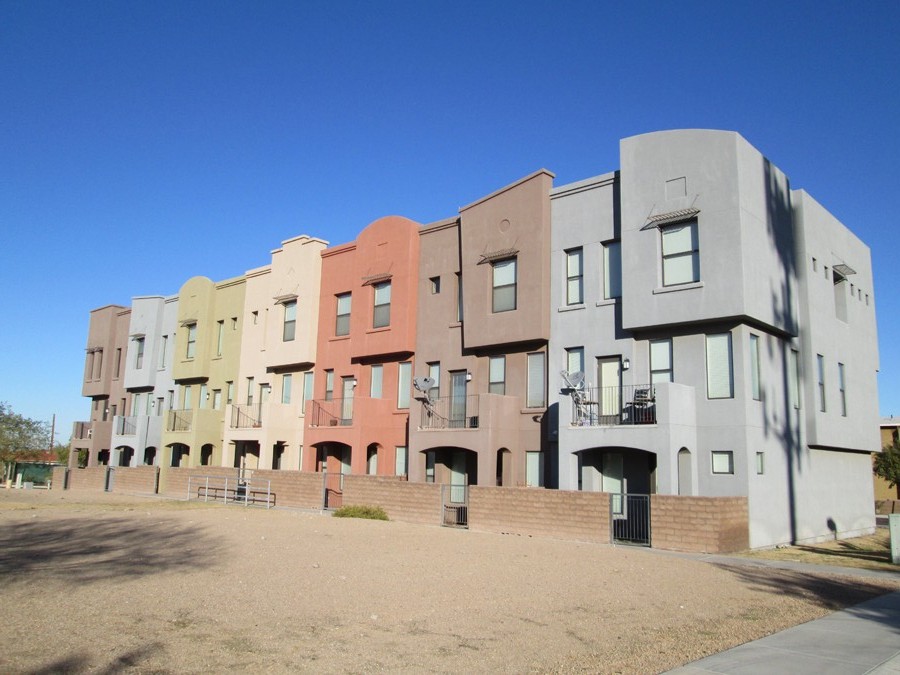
357	511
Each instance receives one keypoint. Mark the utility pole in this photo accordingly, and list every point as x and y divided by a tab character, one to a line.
52	431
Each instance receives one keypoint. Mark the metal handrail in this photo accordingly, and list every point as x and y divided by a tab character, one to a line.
450	412
613	406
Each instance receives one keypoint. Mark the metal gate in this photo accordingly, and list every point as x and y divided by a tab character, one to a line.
455	506
332	490
629	519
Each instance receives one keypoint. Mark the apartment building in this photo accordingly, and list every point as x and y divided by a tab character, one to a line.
264	416
149	388
205	361
714	332
104	384
357	421
482	333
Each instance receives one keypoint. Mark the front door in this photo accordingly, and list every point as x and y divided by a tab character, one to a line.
609	378
458	476
458	399
612	480
347	385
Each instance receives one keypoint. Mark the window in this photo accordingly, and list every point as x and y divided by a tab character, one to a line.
434	372
842	389
234	323
372	463
98	363
163	345
329	385
680	254
820	369
118	362
382	313
661	361
171	397
793	374
191	340
575	276
429	467
723	461
719	383
249	391
403	383
376	381
139	353
217	399
229	392
254	317
342	322
754	367
220	336
89	367
308	382
186	402
435	286
459	297
497	375
286	381
575	359
760	463
400	461
204	395
534	469
504	283
535	394
290	321
612	270
840	295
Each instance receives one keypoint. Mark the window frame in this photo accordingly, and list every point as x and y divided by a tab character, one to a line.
289	327
376	392
139	353
499	303
286	385
755	382
404	382
713	369
820	382
670	370
342	319
575	278
612	270
383	307
693	252
722	455
534	389
191	350
495	385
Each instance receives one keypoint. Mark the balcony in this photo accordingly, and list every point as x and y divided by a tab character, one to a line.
246	416
82	431
450	412
614	406
336	412
180	420
126	425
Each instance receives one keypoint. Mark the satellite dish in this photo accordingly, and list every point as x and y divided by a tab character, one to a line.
573	380
423	383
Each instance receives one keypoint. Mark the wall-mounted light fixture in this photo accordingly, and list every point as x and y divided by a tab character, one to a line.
468	377
626	364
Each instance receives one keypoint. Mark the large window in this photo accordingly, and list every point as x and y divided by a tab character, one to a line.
342	321
290	321
575	276
403	383
139	353
536	389
661	361
376	381
719	381
612	270
191	340
497	375
754	368
504	283
680	254
382	314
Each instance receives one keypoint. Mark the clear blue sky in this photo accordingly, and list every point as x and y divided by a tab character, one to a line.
202	134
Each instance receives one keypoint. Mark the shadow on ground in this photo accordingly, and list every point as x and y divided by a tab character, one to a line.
81	663
88	549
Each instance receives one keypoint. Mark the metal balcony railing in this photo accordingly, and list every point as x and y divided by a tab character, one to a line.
450	412
612	406
126	425
179	420
246	416
336	412
82	430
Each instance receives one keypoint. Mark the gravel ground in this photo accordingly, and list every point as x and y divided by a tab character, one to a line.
96	583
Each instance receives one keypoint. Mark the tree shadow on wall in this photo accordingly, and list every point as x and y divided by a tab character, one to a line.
86	550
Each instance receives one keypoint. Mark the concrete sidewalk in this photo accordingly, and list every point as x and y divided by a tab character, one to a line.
864	638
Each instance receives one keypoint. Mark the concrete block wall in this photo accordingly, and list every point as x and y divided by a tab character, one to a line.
298	489
91	478
135	480
408	502
176	483
583	516
699	524
58	478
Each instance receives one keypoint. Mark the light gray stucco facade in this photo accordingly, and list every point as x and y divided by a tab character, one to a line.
701	297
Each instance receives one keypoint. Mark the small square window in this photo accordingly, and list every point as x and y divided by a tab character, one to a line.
723	461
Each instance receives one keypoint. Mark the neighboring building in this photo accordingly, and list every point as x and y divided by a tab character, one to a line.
147	366
103	382
483	329
263	416
890	434
725	328
205	359
358	421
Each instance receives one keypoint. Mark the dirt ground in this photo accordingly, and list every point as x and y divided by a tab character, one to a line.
93	583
